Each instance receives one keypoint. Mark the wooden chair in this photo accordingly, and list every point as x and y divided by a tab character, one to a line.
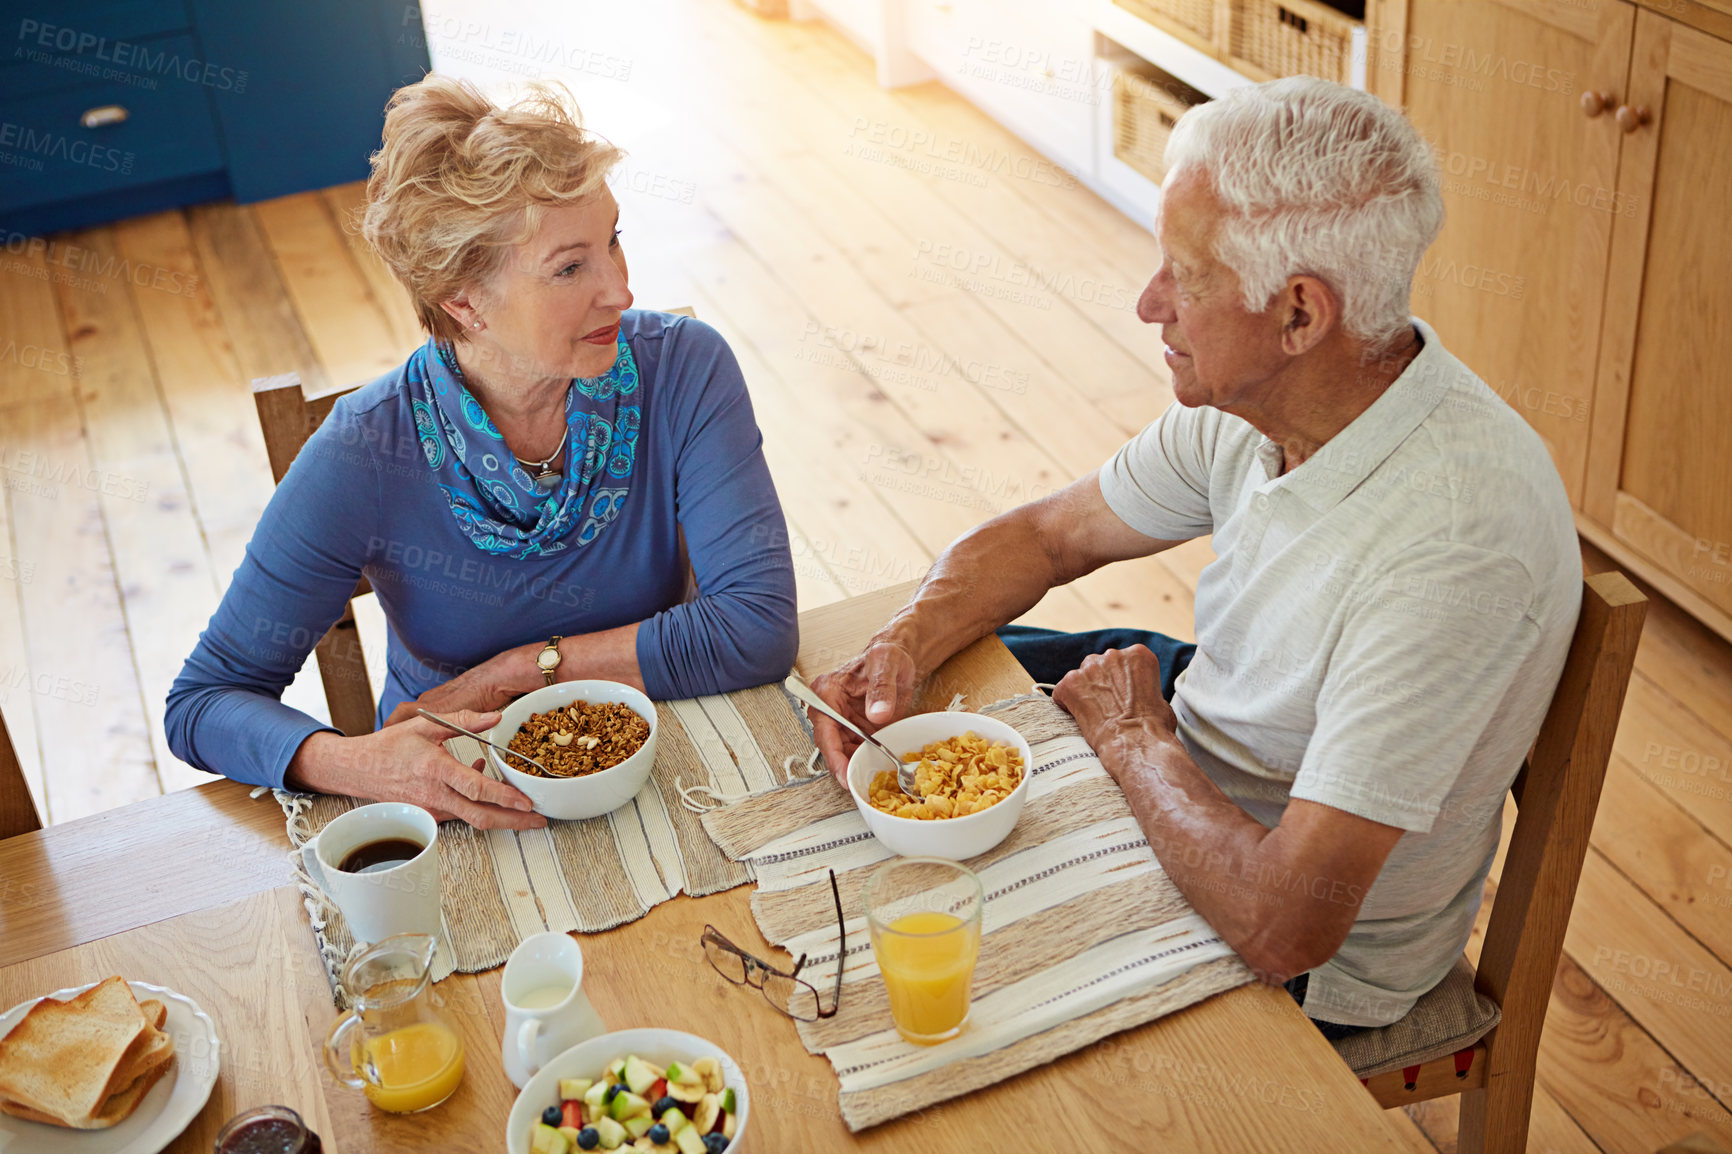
1557	793
17	809
288	415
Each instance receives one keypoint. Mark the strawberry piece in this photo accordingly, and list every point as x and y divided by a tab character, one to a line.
658	1090
721	1119
572	1111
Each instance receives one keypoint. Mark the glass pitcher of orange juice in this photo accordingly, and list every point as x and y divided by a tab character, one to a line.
924	914
396	1044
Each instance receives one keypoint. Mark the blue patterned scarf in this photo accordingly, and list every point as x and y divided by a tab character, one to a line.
497	504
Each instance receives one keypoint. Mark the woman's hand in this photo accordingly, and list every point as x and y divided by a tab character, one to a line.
408	762
1113	694
484	688
874	689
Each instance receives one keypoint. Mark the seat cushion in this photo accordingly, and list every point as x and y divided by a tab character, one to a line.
1451	1017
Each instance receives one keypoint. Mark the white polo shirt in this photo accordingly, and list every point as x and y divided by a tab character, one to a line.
1381	632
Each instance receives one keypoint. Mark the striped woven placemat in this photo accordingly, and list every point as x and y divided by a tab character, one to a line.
1085	934
499	886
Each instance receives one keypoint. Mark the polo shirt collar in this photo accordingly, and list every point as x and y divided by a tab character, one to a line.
1352	455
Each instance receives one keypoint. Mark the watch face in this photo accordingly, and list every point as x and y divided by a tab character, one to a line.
547	658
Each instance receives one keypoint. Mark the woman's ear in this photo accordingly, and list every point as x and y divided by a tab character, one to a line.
461	309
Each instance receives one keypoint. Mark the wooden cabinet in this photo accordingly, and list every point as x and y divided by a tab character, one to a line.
1514	285
1659	490
1586	154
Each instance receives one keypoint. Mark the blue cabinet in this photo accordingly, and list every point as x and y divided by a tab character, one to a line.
110	108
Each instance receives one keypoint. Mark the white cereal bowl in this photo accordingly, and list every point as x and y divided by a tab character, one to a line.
571	798
951	838
588	1059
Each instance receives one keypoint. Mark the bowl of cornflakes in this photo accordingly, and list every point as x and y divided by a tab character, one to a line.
973	774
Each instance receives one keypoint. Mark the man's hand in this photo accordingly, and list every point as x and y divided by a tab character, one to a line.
872	690
408	762
1114	693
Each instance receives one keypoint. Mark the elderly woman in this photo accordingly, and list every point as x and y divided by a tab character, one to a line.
523	492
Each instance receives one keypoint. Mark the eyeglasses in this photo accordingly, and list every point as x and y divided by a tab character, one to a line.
783	989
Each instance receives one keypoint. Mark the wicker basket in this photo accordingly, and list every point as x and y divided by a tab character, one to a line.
1194	16
1293	38
1145	109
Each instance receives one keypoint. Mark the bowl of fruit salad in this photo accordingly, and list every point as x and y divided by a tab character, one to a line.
632	1090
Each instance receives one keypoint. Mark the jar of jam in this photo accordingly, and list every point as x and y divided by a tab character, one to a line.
268	1130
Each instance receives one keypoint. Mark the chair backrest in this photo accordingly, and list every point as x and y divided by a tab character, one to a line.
288	415
1557	794
17	810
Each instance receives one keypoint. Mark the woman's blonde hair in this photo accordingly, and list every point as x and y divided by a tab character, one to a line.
458	180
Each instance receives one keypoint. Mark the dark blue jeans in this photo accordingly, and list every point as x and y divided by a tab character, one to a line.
1048	655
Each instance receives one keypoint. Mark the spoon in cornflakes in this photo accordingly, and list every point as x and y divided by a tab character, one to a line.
904	769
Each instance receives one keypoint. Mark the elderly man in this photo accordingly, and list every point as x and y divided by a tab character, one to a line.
1396	583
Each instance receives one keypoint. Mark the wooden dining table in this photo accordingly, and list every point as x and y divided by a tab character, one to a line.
191	891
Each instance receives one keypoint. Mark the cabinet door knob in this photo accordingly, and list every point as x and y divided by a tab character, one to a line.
103	115
1630	119
1594	103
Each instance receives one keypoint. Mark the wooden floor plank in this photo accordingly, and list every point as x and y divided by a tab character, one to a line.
1664	852
204	389
1676	750
266	336
19	709
346	203
78	671
1616	1082
167	589
337	308
249	295
1671	985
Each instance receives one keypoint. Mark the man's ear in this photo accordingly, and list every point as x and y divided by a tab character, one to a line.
1309	312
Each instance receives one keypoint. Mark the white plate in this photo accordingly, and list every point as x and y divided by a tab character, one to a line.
172	1103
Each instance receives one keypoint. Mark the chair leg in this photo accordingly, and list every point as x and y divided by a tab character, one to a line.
1494	1118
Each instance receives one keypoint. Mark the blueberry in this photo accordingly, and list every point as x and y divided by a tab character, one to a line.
588	1138
613	1091
658	1134
663	1104
551	1116
714	1144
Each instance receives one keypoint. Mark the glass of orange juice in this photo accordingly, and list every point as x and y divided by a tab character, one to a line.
396	1044
924	915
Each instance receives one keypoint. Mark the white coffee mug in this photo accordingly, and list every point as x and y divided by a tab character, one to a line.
403	899
546	1010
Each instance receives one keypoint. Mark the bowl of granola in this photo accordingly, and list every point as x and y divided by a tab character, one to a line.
597	738
973	773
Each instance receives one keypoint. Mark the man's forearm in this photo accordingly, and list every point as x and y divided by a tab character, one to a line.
991	575
1226	863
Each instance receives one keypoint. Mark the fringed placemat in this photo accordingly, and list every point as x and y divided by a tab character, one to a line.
500	886
1085	935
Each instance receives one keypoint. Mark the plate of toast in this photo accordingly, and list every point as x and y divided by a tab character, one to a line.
113	1067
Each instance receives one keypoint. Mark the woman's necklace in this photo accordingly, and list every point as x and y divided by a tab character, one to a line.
543	471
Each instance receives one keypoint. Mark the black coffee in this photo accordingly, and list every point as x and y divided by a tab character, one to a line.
380	855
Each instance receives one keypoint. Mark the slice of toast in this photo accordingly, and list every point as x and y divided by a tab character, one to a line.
117	1109
61	1058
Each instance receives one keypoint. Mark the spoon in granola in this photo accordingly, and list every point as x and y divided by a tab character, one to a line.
904	769
455	728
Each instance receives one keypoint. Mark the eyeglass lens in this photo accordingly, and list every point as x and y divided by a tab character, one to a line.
726	962
791	996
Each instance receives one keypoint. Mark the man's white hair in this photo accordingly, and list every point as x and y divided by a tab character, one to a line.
1316	179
